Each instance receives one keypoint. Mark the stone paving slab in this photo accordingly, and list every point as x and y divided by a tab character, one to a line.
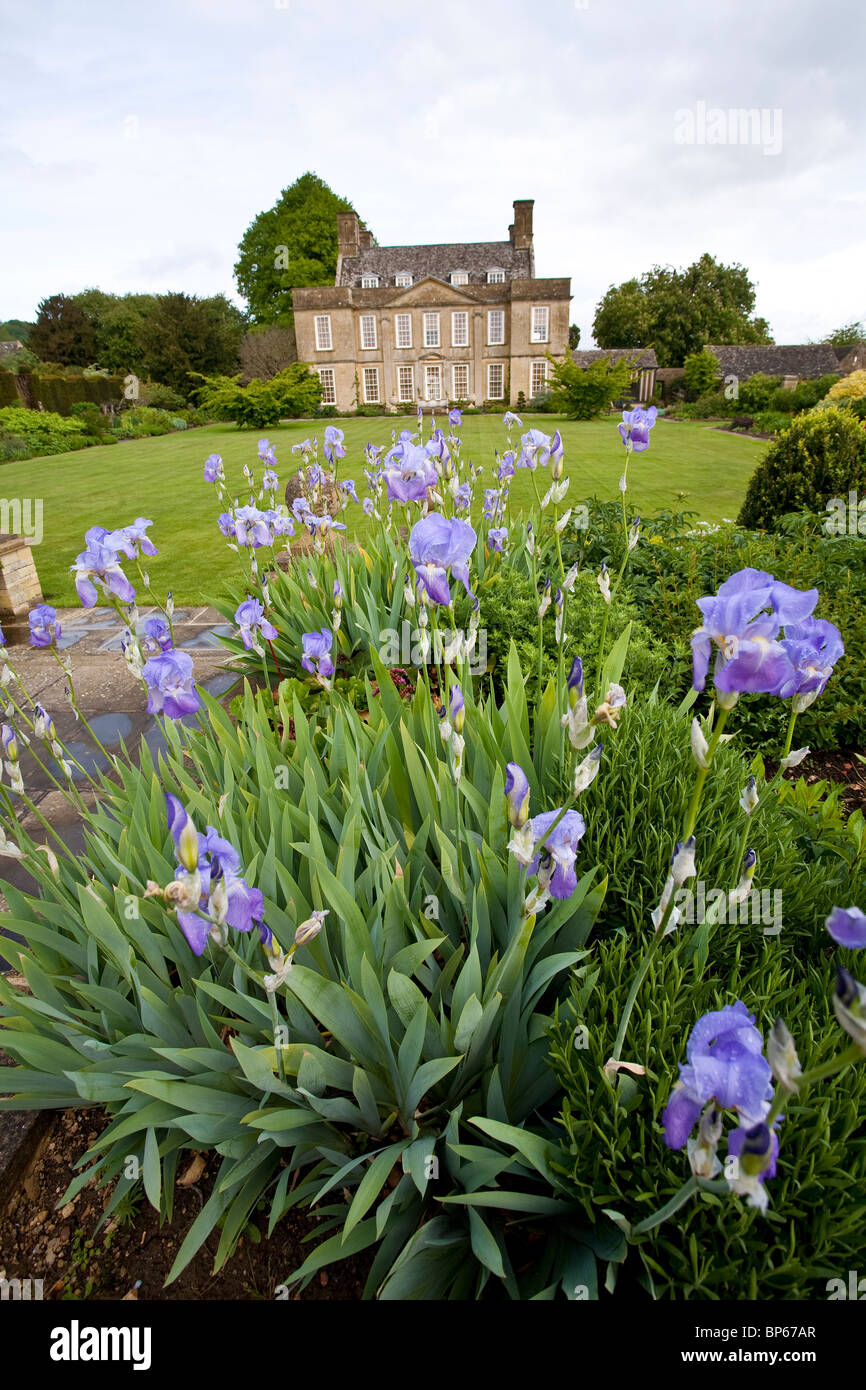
111	700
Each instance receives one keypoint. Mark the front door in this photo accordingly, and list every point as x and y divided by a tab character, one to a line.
433	383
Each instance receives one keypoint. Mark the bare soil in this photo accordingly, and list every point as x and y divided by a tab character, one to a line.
130	1259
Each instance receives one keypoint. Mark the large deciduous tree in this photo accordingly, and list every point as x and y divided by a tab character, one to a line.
294	243
120	325
184	334
63	333
679	311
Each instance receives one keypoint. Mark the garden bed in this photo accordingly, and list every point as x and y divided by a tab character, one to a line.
131	1255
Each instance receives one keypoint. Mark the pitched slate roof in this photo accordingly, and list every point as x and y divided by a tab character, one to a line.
645	357
807	360
474	257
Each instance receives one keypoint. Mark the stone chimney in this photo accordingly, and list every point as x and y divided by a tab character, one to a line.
520	232
366	237
348	234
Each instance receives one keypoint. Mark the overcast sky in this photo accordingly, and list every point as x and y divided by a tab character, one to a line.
138	140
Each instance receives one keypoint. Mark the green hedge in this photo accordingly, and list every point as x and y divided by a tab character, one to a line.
8	390
60	393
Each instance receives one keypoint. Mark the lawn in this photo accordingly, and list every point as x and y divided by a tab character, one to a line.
688	465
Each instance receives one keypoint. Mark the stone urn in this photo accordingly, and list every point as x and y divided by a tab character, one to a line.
329	499
329	495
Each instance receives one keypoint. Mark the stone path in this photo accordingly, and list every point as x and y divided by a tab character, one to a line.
112	701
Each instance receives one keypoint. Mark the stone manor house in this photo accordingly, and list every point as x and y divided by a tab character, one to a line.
403	325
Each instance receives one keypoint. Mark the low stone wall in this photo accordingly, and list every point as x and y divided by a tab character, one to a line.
19	582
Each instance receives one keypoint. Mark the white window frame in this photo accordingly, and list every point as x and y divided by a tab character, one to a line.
495	276
464	315
499	367
367	319
491	341
404	279
323	331
403	368
329	385
431	322
430	367
368	399
457	394
460	277
543	363
397	319
539	335
369	282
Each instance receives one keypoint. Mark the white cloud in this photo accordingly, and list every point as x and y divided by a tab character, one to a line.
432	121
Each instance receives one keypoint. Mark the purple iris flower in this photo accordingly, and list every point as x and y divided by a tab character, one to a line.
300	508
369	506
2	638
492	502
743	621
756	1139
436	447
505	466
847	926
517	793
536	446
282	525
44	627
321	525
99	562
455	418
156	637
170	686
813	648
249	617
349	488
333	447
496	538
305	447
212	468
251	527
436	545
636	425
132	540
725	1065
216	861
463	497
558	849
316	657
509	419
270	481
226	524
575	676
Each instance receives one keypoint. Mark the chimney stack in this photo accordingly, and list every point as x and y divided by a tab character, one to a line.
348	234
520	233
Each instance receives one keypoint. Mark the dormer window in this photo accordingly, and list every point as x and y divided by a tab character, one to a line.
460	277
369	282
403	279
496	277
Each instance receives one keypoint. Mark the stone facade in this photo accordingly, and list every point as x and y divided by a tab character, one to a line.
433	341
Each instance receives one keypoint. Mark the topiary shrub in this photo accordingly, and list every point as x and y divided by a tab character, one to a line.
821	455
